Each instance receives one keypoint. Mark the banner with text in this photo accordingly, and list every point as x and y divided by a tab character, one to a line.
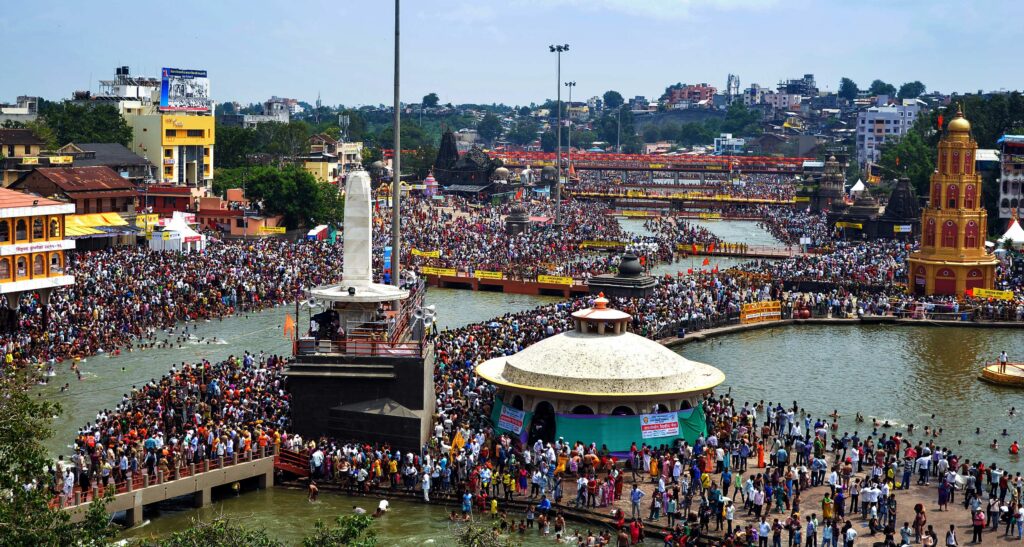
428	270
654	426
554	279
989	293
427	254
511	419
485	274
758	312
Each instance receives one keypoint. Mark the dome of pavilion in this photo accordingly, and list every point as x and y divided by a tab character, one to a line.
600	359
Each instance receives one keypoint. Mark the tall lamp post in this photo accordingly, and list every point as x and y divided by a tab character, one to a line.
396	179
558	151
568	146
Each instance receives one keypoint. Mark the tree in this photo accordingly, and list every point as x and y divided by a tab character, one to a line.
349	531
26	517
848	89
85	123
489	128
430	100
916	160
524	111
583	139
911	90
523	132
651	133
219	532
878	87
613	99
548	141
290	191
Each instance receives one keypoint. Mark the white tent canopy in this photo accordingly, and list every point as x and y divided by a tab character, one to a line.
1015	234
858	188
176	235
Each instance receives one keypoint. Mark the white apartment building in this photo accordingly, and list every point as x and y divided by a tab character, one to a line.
878	124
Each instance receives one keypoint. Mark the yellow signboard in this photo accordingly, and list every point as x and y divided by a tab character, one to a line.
856	225
554	279
30	161
759	312
639	214
428	270
989	293
484	274
61	160
428	254
600	243
272	229
802	199
710	216
165	235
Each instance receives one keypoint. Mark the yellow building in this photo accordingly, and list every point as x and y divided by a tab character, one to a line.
181	144
952	257
32	243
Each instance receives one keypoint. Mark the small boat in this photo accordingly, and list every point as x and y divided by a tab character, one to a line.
1012	374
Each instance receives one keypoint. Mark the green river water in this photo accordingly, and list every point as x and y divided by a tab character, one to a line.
901	374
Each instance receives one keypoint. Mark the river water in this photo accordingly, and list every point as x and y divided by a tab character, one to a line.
900	374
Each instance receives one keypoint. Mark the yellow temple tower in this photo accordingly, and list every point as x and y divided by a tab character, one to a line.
952	257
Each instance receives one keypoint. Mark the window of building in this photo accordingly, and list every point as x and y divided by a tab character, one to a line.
949	234
194	132
38	229
38	265
28	149
10	150
5	268
169	133
21	230
22	266
969	192
929	233
54	228
168	152
206	152
971	235
951	196
56	266
240	223
168	170
5	231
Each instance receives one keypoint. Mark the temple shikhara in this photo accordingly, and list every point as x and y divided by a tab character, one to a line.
952	258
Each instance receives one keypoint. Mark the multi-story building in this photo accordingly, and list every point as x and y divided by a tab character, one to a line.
878	124
952	259
727	145
275	110
172	125
110	154
691	93
21	152
805	86
32	245
1011	176
26	109
754	95
780	100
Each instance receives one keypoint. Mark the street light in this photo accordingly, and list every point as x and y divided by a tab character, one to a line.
558	152
570	85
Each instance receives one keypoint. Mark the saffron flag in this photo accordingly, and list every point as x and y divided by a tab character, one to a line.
711	248
289	325
694	246
689	270
940	122
707	262
716	269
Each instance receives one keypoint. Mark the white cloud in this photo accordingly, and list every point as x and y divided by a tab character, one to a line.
662	9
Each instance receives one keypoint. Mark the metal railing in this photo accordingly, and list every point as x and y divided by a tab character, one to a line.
360	347
142	479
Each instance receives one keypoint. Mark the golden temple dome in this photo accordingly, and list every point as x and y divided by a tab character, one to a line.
959	123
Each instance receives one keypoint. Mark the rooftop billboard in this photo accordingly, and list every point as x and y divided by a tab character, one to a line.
185	90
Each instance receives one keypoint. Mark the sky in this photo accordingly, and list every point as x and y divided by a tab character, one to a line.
496	51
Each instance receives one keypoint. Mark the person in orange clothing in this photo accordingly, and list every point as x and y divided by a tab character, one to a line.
760	454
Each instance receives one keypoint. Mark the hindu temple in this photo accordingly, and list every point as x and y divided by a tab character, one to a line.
952	257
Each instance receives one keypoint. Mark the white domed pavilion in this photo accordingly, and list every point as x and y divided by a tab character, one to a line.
598	380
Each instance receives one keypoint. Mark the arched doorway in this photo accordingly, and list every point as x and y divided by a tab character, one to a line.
920	280
543	424
582	409
945	282
685	406
517	402
623	411
975	279
660	409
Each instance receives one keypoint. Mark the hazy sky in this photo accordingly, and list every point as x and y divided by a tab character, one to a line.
497	50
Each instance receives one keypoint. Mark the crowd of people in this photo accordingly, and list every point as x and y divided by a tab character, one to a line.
772	458
746	185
